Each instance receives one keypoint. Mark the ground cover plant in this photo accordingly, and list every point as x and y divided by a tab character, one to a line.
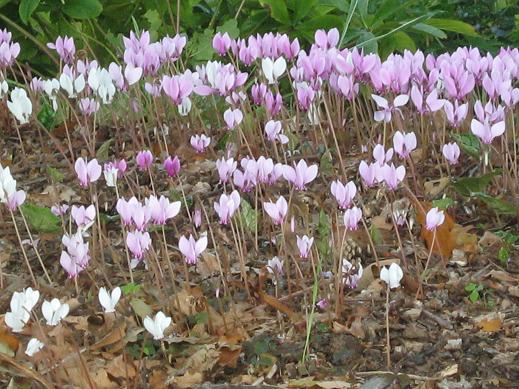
278	216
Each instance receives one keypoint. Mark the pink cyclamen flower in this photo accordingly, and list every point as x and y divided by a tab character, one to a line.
381	155
404	144
304	244
434	219
161	210
76	257
300	175
486	132
59	209
133	212
15	200
200	142
351	274
197	218
322	304
138	243
144	159
172	166
226	206
226	168
65	48
275	265
191	248
274	131
451	152
87	172
83	217
392	175
344	194
232	117
177	87
89	106
221	43
368	173
277	211
352	217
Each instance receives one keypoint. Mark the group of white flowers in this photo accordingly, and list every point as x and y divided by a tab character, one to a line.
23	303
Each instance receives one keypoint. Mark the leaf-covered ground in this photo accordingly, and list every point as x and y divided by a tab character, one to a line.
457	328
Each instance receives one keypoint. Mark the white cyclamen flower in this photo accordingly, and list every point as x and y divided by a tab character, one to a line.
392	276
53	311
20	105
7	184
33	347
109	301
273	69
157	325
21	306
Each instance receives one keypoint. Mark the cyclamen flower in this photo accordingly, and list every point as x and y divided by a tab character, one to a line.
351	275
221	43
76	257
226	206
138	243
197	218
88	106
392	176
392	276
486	132
344	194
191	248
232	117
83	217
274	132
226	168
109	301
59	209
21	306
300	175
20	105
53	311
161	209
382	156
404	144
15	200
275	265
200	142
386	109
132	211
172	166
7	184
65	48
368	173
273	69
111	173
277	211
434	219
157	325
87	172
144	160
304	244
451	152
352	217
33	347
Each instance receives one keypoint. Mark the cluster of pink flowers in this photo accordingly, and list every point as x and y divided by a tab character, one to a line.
9	50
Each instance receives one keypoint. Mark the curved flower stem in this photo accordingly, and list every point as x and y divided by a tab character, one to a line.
388	341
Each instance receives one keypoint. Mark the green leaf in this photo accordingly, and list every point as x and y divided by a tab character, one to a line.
41	218
202	45
302	8
469	143
453	25
503	255
402	41
470	287
249	215
470	185
230	27
443	203
149	349
436	32
82	9
154	19
27	7
368	42
278	10
47	116
499	206
55	175
130	288
474	296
